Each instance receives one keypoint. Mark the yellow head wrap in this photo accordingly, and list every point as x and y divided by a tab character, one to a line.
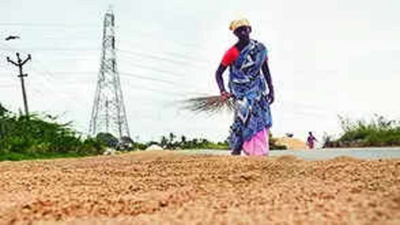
238	23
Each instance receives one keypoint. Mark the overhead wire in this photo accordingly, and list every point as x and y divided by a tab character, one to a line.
152	68
176	58
47	76
55	25
159	58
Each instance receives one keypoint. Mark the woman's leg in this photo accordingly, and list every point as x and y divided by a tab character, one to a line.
258	145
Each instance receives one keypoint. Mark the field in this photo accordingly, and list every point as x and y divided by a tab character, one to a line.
160	187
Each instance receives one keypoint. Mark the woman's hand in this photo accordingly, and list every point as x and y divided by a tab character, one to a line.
225	95
271	97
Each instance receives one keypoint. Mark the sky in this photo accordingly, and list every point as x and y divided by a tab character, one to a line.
327	58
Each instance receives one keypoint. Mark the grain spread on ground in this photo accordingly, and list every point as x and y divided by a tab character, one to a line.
172	188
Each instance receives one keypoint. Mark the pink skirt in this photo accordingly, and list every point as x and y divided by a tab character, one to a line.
258	145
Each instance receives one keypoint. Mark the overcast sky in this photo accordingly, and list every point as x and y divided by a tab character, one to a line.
327	58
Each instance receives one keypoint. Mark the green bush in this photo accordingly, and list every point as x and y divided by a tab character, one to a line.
198	143
378	132
41	135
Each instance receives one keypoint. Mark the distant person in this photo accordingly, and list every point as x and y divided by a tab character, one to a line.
248	88
289	135
311	140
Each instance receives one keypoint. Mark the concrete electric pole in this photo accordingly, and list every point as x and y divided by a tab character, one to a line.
21	75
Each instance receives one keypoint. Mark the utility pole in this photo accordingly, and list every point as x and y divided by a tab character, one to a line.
21	75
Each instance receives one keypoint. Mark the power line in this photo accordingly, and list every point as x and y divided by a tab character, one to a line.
147	78
73	72
50	78
167	72
188	57
183	42
159	90
183	61
170	52
52	75
92	26
6	86
57	49
55	25
157	80
151	56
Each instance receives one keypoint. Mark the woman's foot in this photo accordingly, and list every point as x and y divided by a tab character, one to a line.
236	151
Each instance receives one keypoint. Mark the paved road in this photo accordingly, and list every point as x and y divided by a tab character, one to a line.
322	154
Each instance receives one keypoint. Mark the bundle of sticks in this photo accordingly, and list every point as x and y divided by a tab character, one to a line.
209	104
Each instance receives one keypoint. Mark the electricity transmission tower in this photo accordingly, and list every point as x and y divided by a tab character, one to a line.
108	113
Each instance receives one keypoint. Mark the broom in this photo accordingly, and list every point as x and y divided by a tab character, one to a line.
209	104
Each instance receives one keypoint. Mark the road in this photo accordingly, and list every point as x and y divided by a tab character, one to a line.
324	154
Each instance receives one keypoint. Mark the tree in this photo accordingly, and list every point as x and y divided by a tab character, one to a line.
183	141
108	139
164	141
125	144
172	136
3	111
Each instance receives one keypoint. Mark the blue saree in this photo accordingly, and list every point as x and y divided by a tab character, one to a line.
248	86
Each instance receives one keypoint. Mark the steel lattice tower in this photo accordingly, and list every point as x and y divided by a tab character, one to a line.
108	113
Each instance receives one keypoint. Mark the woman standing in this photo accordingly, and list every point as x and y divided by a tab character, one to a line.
311	140
247	85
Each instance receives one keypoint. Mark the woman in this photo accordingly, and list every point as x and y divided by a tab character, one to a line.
311	140
252	120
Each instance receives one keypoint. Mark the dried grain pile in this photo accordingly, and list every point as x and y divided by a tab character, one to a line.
291	143
168	188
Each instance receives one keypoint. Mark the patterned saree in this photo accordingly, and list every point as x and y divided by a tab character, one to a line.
252	117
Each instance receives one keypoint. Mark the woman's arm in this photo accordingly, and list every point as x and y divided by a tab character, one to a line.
218	76
268	79
220	81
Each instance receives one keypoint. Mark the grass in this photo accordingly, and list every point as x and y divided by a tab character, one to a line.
14	156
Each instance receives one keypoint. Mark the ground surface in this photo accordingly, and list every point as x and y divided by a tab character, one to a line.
322	154
171	188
